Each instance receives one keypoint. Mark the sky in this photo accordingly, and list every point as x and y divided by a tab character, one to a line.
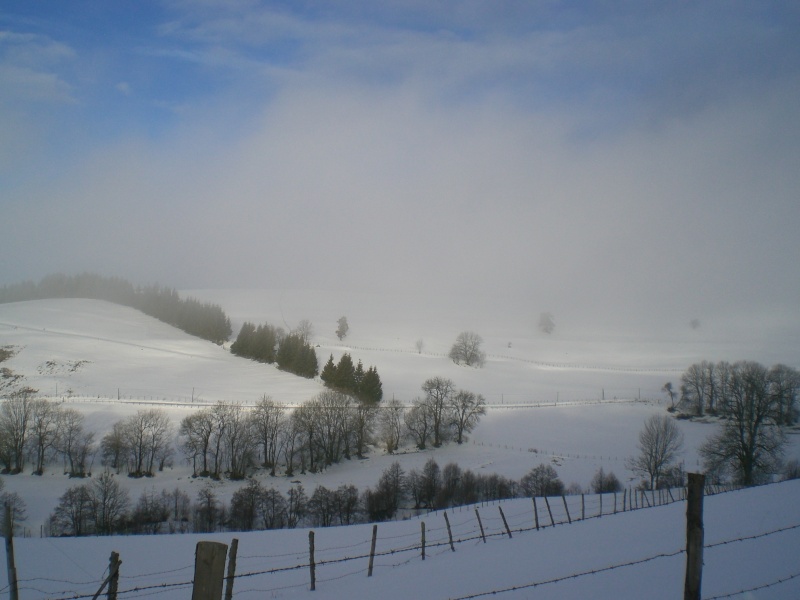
601	158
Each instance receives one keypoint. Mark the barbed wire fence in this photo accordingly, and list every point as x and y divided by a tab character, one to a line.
465	525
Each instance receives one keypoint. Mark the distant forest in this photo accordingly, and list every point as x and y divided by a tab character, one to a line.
206	321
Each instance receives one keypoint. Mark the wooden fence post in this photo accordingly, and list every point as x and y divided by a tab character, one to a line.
583	508
480	524
502	514
372	549
113	568
231	569
311	566
209	570
13	589
422	544
624	499
449	532
694	537
566	508
601	504
535	513
550	512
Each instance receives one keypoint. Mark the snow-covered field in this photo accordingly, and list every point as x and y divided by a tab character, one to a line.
575	399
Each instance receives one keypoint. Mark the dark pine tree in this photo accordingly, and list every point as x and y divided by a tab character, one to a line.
371	388
328	374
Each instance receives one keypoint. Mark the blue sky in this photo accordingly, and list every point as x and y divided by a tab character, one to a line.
642	150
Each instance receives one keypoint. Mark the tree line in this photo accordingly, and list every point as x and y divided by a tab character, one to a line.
204	320
104	507
229	440
265	343
755	404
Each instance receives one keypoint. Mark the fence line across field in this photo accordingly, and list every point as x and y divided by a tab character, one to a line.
451	529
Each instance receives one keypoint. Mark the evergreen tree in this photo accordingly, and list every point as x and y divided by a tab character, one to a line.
328	374
371	388
345	375
358	377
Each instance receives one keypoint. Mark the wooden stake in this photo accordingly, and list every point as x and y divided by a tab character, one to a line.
694	537
209	570
601	505
422	524
113	567
566	508
311	566
231	569
502	514
480	524
624	500
535	513
449	532
550	512
372	549
583	508
13	589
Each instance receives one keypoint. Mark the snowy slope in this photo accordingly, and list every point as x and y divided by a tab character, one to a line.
109	361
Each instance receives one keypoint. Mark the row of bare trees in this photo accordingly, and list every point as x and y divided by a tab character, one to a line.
708	387
36	431
228	439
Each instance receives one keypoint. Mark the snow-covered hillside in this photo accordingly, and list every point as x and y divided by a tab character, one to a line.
571	399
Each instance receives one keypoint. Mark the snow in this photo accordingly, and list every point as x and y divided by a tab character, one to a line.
574	399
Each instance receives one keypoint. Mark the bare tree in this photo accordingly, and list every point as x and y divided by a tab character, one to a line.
390	424
240	441
603	483
109	503
146	435
269	419
541	481
438	392
73	442
750	443
305	330
660	442
784	385
694	387
43	431
195	435
273	509
15	420
467	350
466	409
418	422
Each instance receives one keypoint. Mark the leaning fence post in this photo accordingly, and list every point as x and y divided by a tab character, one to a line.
372	549
209	570
550	512
694	537
231	569
502	514
566	508
449	532
535	513
480	524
